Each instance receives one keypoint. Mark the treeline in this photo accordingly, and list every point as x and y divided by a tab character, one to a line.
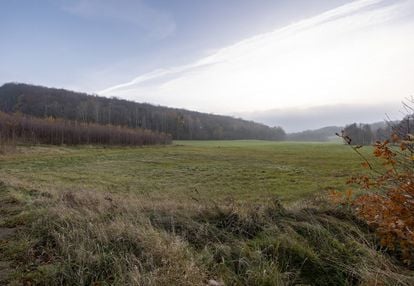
18	128
360	134
181	124
366	134
404	127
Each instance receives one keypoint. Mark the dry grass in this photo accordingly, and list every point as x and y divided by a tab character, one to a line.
96	238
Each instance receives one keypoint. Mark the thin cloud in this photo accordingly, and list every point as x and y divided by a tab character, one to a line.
359	52
157	74
157	23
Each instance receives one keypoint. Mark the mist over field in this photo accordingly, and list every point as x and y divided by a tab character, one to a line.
299	119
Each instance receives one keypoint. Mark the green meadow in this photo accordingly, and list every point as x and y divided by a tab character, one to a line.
242	170
192	213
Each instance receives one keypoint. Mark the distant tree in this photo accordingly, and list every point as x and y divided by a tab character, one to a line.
367	136
383	134
359	134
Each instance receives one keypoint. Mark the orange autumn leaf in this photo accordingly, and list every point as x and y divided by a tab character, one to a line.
388	205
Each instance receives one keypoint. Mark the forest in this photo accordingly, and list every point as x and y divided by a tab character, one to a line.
18	128
368	134
182	124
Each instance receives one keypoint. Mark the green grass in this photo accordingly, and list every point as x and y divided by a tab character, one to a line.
243	170
183	215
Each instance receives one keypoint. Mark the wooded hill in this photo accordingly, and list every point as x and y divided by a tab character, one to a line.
46	102
361	134
317	135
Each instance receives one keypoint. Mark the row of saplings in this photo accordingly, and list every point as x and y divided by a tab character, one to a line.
26	129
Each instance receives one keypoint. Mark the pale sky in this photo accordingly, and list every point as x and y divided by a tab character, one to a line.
318	55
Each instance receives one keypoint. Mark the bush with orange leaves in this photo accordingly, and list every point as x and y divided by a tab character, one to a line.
387	204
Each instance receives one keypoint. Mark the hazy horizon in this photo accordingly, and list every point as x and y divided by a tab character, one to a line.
294	64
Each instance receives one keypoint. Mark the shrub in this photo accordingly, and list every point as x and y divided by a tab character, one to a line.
388	201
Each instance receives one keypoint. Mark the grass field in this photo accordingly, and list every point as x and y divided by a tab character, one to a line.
193	213
243	170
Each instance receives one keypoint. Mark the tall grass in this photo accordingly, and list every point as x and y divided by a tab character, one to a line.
92	238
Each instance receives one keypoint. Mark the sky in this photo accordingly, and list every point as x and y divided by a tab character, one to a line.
299	64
